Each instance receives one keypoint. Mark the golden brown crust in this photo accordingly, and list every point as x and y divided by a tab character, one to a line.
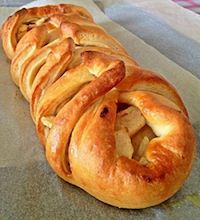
118	131
56	64
25	16
125	182
143	79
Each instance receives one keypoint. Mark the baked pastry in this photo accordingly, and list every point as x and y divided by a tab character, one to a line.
109	126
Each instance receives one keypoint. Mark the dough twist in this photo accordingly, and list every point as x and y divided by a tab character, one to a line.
109	126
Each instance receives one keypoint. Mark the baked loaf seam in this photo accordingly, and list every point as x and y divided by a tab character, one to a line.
109	126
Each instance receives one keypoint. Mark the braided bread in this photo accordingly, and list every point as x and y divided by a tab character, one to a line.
109	126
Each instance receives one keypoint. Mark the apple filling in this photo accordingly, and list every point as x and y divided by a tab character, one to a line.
132	134
28	25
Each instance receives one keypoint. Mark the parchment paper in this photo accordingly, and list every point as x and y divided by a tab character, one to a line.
29	189
168	27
